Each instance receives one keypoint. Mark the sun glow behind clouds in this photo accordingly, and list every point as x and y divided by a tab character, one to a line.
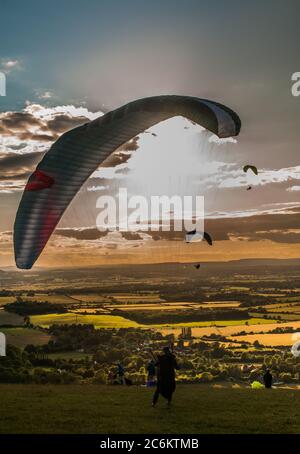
177	157
174	158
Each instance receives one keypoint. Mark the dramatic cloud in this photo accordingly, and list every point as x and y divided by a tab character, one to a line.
280	227
27	135
13	165
81	234
62	123
8	65
232	178
27	126
15	169
131	236
293	189
14	121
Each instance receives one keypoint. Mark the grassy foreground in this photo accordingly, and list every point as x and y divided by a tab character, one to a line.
107	409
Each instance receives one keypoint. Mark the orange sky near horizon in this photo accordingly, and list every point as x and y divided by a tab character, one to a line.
158	252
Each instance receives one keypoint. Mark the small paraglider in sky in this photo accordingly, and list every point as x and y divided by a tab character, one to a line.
251	179
197	266
250	167
193	237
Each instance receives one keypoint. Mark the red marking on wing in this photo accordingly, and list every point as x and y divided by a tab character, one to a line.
39	180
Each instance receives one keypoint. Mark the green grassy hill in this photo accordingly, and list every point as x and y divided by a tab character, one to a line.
108	409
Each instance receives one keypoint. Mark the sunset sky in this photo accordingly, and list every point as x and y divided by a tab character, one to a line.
68	62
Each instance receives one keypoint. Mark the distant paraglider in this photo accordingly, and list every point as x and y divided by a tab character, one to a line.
79	152
250	167
197	266
194	237
246	168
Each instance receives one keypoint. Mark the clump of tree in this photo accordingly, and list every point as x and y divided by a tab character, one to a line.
97	352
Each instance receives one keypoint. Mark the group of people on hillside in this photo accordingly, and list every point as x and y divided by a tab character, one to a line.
161	373
118	377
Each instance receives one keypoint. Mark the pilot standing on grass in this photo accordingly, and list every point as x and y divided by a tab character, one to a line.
166	365
268	378
121	373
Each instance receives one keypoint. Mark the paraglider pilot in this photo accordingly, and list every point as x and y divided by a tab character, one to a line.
166	365
268	378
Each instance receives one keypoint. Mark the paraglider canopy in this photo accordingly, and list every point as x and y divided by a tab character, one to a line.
250	167
79	152
194	237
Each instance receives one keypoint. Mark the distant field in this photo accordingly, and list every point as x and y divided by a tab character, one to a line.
287	317
233	329
6	300
197	409
173	306
90	297
268	340
20	337
288	299
134	297
218	323
9	318
113	321
99	321
283	309
295	307
145	307
55	299
269	294
273	315
91	310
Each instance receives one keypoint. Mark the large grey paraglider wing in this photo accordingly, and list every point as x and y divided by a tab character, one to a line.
78	153
69	162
